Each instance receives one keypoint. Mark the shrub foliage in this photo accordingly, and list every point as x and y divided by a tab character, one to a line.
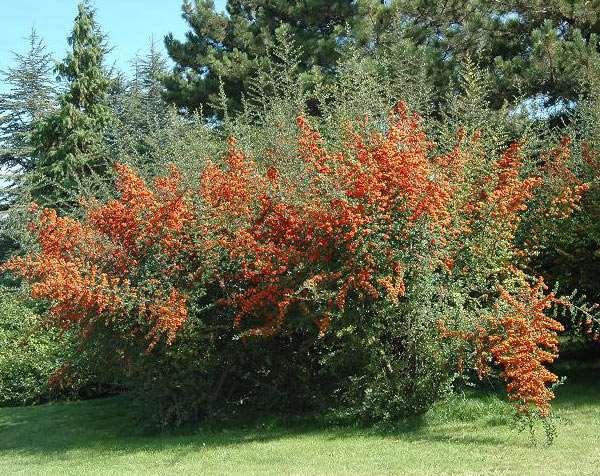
371	271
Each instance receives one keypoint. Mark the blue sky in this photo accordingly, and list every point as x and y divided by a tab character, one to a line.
129	24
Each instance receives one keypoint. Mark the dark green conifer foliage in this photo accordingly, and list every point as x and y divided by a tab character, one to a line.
530	49
29	97
230	48
66	140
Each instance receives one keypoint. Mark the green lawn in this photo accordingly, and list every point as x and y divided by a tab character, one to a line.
469	436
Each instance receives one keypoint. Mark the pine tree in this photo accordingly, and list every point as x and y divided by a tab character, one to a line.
30	96
536	49
66	140
226	50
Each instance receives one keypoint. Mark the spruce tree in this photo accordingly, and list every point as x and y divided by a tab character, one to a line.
66	140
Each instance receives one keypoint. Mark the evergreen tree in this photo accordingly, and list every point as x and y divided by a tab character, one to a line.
30	96
138	106
536	49
147	83
226	50
66	140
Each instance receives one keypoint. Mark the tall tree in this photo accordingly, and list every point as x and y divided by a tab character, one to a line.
66	140
29	97
226	49
149	72
138	105
531	49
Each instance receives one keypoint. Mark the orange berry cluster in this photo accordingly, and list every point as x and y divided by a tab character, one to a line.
272	247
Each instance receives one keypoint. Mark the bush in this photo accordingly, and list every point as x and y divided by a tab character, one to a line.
40	363
28	354
341	260
364	273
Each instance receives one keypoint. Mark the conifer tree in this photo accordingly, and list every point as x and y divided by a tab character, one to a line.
138	106
535	49
29	97
149	72
225	50
66	140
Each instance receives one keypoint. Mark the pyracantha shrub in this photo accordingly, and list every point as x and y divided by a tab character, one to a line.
380	229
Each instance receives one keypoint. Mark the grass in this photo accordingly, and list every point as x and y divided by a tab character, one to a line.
469	435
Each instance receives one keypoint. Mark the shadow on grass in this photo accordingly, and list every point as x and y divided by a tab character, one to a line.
107	425
582	385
